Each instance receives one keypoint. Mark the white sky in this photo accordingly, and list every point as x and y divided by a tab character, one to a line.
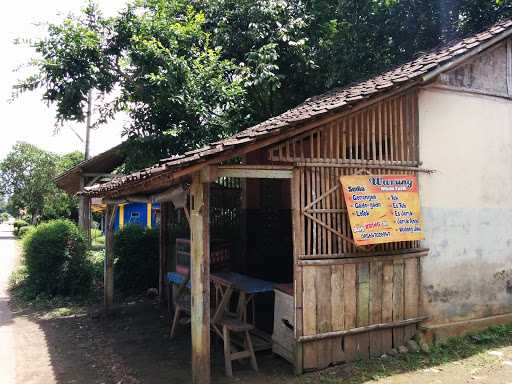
28	118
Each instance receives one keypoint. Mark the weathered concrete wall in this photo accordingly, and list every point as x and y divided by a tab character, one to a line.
466	204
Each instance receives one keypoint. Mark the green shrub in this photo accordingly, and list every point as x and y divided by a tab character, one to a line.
22	231
19	223
95	233
55	259
96	259
136	259
4	217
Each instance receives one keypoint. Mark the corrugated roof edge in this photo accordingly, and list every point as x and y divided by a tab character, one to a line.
420	69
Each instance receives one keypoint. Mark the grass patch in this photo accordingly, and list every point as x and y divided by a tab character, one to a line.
454	349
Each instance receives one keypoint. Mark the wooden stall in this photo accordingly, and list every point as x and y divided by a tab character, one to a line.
348	302
277	186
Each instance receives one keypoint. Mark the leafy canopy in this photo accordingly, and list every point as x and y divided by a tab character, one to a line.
26	179
191	72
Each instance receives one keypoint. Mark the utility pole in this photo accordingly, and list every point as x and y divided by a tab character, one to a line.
88	125
84	207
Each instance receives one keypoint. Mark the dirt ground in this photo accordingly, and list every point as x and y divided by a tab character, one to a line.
132	347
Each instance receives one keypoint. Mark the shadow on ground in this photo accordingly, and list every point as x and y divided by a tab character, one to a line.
132	346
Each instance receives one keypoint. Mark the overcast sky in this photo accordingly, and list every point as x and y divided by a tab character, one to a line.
28	118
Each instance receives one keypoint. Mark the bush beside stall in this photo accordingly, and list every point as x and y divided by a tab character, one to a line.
136	255
55	261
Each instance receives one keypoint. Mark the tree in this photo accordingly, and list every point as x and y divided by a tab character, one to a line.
58	204
26	178
192	72
170	79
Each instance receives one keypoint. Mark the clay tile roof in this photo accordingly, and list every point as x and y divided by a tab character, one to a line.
318	106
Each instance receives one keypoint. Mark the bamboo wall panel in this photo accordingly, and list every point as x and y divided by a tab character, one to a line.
384	133
355	294
324	221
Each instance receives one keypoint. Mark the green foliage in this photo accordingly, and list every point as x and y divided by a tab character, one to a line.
97	259
95	233
54	254
4	216
22	231
26	177
136	259
97	238
19	223
189	73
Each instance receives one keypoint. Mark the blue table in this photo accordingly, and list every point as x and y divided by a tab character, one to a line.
176	278
246	284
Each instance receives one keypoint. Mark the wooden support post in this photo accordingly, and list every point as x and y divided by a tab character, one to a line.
200	279
108	271
84	212
164	248
242	261
298	241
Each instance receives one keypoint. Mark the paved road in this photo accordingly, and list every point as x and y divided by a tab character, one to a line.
7	349
24	353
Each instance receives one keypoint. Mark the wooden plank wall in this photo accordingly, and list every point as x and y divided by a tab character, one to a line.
356	294
339	286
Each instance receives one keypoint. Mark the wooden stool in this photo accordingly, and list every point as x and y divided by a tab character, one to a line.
181	301
180	306
237	326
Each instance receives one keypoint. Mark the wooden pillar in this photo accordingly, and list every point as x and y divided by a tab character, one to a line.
242	262
84	212
164	247
200	279
108	270
298	234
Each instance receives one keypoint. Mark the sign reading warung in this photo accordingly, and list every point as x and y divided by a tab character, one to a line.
383	208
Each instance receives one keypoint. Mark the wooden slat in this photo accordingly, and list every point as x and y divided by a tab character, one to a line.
309	313
350	306
411	300
363	309
376	272
308	195
323	314
387	304
337	298
359	330
398	302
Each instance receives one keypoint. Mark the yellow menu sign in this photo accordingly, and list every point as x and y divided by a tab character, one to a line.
383	208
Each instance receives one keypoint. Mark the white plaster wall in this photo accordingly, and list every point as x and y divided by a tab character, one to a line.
466	204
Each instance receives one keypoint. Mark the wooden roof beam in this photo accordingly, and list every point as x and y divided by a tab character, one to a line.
212	172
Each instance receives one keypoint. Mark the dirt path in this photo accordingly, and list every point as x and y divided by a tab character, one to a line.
24	356
7	260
